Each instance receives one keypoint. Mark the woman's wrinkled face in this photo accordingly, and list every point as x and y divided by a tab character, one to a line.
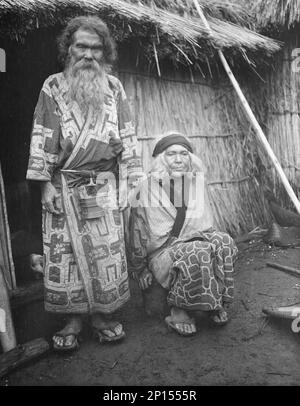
177	158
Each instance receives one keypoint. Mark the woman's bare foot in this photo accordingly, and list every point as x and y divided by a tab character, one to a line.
180	321
220	316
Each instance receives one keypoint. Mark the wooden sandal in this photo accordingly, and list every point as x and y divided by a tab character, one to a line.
99	333
64	348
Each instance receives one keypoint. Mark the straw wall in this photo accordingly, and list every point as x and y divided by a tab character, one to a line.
210	115
277	104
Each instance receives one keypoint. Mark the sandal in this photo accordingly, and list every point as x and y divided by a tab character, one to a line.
215	317
103	337
172	325
64	347
285	312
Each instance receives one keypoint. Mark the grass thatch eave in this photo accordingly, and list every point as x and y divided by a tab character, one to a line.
156	27
227	10
274	15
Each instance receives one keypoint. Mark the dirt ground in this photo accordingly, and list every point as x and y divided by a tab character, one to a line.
250	350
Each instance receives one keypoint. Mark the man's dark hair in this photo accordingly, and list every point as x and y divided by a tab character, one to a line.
88	23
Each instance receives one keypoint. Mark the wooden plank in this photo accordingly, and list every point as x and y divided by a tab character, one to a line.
20	355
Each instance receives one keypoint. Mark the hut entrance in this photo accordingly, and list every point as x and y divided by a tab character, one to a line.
28	64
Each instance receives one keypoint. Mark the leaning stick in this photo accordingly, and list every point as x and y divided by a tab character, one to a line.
251	117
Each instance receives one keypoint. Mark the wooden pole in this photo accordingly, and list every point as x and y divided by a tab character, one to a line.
293	271
7	331
252	118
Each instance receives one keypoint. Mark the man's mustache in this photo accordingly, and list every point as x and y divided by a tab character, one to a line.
83	63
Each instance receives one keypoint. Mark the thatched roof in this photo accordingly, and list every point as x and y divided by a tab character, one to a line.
164	28
280	15
229	10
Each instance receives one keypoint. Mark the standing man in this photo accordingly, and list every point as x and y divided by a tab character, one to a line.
83	147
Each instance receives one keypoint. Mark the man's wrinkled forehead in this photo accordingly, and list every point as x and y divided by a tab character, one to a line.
86	36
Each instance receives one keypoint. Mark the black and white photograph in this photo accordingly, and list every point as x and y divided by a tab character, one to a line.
149	196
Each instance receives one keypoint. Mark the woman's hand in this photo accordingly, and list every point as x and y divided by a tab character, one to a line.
145	279
50	198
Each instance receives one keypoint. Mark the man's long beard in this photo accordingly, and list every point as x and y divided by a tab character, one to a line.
87	84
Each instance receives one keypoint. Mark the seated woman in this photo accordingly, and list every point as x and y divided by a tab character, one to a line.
172	238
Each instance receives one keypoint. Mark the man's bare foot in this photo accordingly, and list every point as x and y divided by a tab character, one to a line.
66	339
107	330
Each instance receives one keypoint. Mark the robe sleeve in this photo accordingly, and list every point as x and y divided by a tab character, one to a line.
130	161
44	145
229	271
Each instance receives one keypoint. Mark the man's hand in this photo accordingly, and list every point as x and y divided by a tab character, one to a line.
145	279
50	198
